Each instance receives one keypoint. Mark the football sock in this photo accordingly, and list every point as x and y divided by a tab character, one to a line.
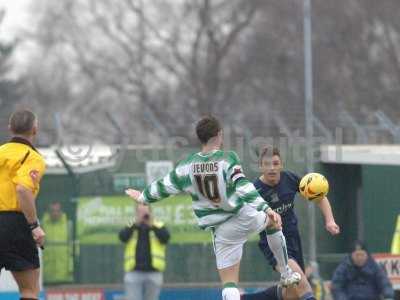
230	292
277	244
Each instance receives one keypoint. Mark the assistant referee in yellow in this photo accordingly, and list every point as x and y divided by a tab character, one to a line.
21	169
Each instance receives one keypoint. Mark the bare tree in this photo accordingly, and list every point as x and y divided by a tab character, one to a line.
152	55
160	64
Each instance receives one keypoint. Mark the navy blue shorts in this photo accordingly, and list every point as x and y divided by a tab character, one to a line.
294	249
272	293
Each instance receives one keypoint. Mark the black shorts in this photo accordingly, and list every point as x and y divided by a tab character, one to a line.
18	250
293	244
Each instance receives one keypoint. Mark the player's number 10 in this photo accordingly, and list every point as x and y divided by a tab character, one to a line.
208	186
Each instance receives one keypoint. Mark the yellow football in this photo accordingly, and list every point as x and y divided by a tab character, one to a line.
314	186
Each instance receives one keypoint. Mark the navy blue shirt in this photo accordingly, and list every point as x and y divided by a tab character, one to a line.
281	198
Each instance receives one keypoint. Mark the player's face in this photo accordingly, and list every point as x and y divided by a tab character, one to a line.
55	211
271	167
359	257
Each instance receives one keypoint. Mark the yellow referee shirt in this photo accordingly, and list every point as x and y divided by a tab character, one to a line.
20	164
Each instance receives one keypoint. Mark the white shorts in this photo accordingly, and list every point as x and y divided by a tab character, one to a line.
230	236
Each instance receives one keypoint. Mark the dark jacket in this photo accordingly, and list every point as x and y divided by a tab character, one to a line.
143	252
369	282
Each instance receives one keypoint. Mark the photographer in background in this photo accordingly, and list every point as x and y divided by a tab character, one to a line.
145	250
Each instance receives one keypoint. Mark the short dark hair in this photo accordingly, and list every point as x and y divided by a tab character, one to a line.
22	121
268	150
207	128
358	245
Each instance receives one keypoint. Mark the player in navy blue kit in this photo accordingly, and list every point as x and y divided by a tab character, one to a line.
278	188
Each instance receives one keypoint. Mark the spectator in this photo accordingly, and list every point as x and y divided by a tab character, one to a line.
359	277
145	250
57	259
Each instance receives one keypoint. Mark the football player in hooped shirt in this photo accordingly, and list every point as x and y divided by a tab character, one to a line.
278	187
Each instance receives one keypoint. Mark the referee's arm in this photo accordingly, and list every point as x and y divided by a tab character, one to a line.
27	181
27	203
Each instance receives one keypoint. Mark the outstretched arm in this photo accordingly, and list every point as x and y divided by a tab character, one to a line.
326	210
173	183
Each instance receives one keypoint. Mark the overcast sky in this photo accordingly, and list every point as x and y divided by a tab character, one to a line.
17	17
16	20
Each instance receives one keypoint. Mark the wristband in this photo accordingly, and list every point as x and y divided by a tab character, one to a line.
34	225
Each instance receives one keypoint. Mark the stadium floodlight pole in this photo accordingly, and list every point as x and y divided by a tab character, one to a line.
309	122
122	143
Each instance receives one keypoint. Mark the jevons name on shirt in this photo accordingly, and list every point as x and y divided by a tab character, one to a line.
211	167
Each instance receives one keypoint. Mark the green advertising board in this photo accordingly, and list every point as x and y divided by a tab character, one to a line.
101	218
